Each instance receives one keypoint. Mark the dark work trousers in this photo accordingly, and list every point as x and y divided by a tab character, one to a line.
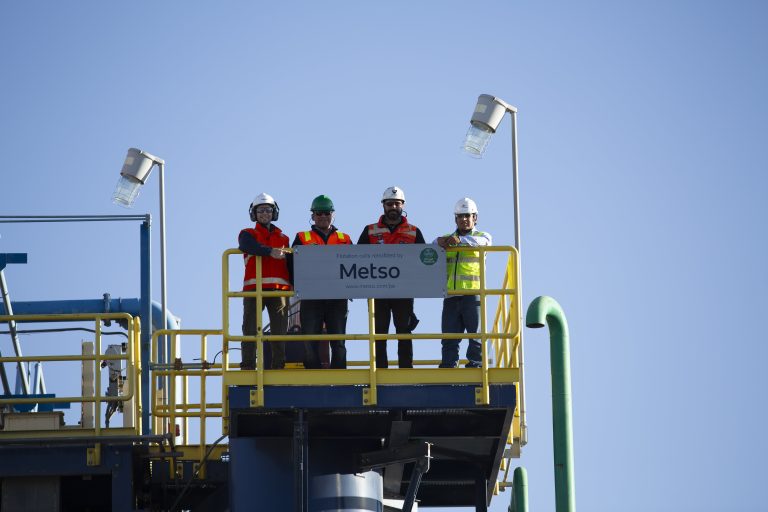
401	311
277	308
332	313
461	313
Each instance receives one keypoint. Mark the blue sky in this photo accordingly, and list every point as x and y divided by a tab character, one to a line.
642	157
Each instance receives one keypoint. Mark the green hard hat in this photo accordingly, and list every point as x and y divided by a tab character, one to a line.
322	203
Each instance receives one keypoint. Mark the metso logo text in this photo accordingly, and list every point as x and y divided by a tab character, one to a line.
368	272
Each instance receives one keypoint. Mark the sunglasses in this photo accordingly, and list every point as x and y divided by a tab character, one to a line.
325	214
265	209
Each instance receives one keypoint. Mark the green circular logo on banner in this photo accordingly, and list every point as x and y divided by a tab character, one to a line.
428	256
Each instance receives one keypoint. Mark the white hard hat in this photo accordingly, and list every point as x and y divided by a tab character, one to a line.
465	205
264	198
395	193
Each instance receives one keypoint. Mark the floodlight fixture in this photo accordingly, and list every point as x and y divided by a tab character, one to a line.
485	120
136	170
489	111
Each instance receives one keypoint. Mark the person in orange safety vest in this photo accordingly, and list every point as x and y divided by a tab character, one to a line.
267	241
393	228
332	312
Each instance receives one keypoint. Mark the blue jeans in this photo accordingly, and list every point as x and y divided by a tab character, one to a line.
461	313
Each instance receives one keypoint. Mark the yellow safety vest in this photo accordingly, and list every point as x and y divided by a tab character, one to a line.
463	269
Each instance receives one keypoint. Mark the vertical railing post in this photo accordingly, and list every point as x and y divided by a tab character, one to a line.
373	389
259	336
546	311
224	342
146	316
485	393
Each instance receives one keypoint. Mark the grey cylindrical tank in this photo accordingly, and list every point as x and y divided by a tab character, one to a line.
333	485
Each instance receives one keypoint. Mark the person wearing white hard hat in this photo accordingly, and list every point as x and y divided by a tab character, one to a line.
462	312
393	228
267	241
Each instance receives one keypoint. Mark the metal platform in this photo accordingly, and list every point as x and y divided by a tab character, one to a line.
467	441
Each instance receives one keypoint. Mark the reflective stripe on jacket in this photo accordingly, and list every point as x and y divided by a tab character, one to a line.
312	237
464	267
404	233
274	272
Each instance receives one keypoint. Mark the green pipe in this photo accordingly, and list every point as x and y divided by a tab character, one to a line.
545	310
519	491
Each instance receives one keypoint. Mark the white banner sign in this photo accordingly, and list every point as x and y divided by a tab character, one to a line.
360	271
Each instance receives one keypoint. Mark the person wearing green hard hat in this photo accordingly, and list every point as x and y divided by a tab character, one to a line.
332	313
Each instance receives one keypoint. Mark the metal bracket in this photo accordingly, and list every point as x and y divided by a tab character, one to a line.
480	396
410	452
254	398
369	397
12	257
421	467
420	453
93	455
399	433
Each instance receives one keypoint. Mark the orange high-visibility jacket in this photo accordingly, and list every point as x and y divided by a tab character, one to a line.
274	273
312	237
404	233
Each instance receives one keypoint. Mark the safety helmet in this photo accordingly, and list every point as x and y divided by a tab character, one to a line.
322	203
393	193
260	199
464	205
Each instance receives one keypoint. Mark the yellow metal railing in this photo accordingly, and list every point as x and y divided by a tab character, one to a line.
501	337
171	391
130	396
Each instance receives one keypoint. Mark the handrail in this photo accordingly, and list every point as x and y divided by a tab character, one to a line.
167	406
499	335
130	356
504	337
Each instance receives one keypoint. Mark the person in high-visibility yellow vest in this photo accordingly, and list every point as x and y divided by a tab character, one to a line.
462	312
331	312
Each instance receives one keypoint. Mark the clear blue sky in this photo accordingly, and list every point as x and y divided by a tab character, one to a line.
642	134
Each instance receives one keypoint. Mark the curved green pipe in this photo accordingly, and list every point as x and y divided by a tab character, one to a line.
546	311
519	491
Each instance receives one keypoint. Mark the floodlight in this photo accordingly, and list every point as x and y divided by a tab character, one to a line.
485	120
489	111
136	169
135	172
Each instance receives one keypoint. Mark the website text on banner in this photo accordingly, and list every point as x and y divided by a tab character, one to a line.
362	271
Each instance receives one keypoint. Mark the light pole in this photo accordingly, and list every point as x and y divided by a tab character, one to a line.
135	172
486	118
